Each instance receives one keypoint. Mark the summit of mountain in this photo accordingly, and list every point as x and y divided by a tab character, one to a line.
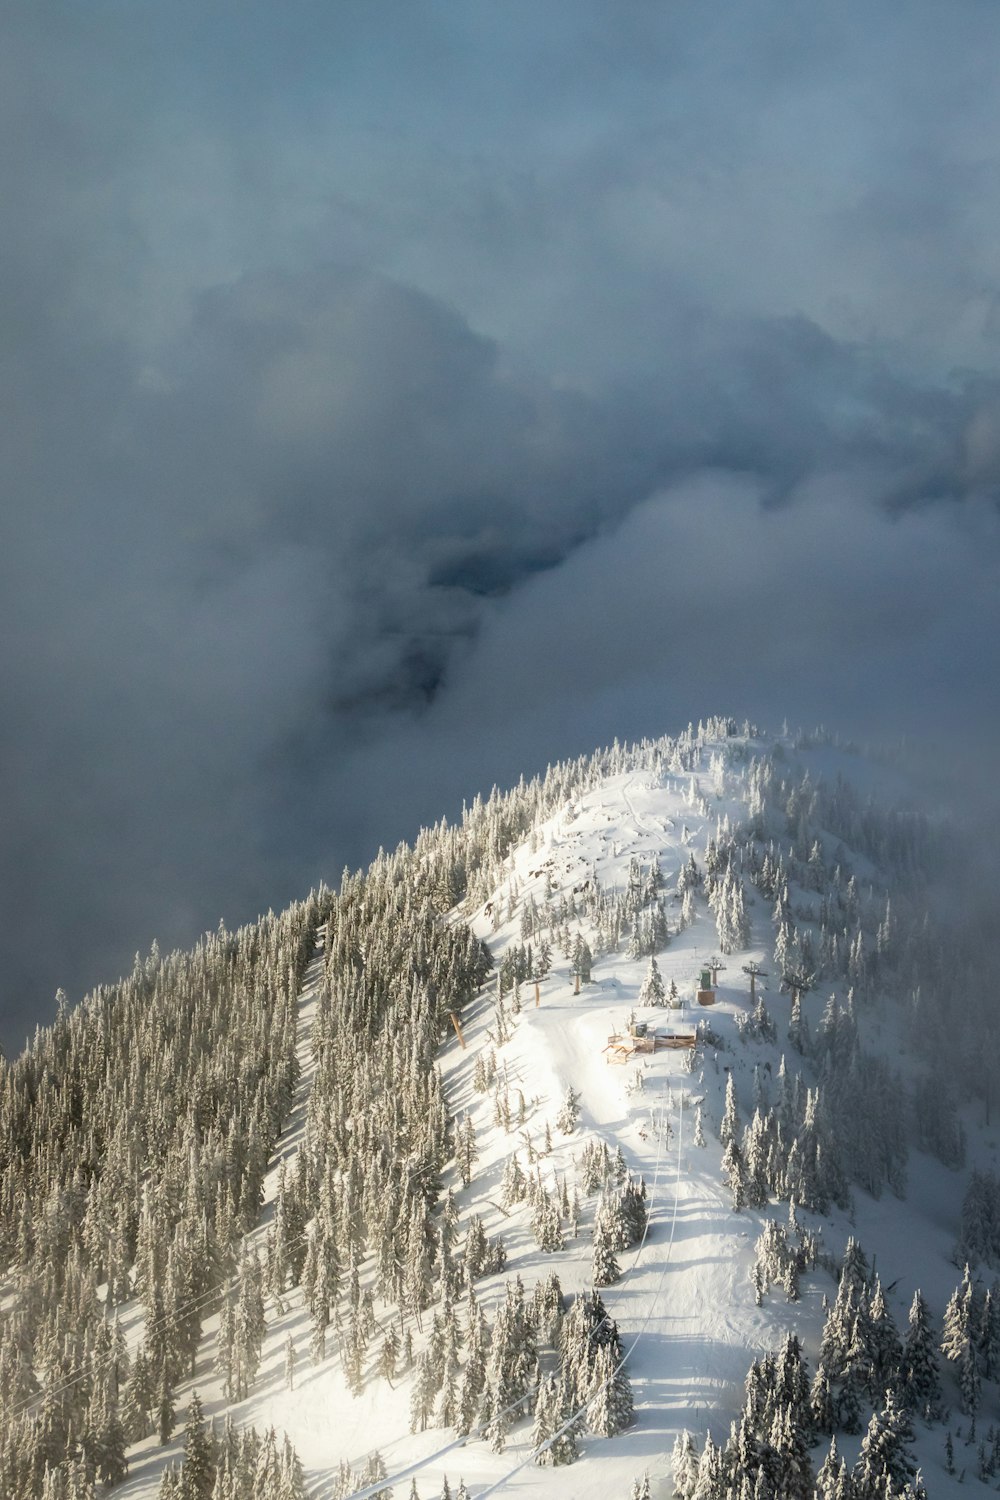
644	1045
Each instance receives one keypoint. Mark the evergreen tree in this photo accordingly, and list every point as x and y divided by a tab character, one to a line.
198	1473
790	1448
684	1465
821	1401
545	1225
610	1410
735	1172
729	1130
292	1485
920	1382
958	1339
466	1151
104	1440
885	1450
711	1475
850	1400
248	1325
169	1485
165	1409
606	1270
563	1445
582	960
546	1419
389	1355
513	1184
569	1112
828	1475
494	1419
651	991
885	1349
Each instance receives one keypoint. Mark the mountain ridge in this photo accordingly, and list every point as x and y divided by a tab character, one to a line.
690	840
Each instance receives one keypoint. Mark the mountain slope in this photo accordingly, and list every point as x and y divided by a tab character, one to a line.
773	850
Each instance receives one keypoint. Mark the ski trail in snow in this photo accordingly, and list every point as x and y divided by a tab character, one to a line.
315	1491
576	1416
629	803
319	1489
378	1487
290	1140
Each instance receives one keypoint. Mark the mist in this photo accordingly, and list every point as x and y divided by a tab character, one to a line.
395	402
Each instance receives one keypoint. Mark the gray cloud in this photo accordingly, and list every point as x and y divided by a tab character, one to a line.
396	400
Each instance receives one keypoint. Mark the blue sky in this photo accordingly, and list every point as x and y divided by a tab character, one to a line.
398	396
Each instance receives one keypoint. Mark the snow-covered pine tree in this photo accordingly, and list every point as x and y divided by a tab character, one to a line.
139	1398
821	1402
684	1465
546	1419
513	1355
831	1474
729	1129
789	1453
513	1184
920	1380
989	1333
651	991
569	1112
959	1338
563	1446
423	1392
388	1358
466	1152
886	1452
476	1248
585	1328
610	1409
582	959
884	1346
735	1172
165	1415
198	1474
606	1270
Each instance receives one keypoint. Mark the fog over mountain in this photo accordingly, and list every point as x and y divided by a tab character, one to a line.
399	397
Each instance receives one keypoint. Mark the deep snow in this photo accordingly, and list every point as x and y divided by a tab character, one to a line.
685	1305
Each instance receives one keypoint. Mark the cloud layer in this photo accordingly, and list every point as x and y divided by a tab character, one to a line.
393	403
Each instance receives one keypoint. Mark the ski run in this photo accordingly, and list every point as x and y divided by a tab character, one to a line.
585	1075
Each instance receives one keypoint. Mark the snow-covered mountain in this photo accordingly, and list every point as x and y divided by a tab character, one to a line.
681	1019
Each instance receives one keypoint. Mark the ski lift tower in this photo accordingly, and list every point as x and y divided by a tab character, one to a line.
755	972
799	983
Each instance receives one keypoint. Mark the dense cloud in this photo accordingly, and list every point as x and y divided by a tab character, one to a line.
393	404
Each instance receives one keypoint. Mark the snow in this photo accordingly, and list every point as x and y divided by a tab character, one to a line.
685	1305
